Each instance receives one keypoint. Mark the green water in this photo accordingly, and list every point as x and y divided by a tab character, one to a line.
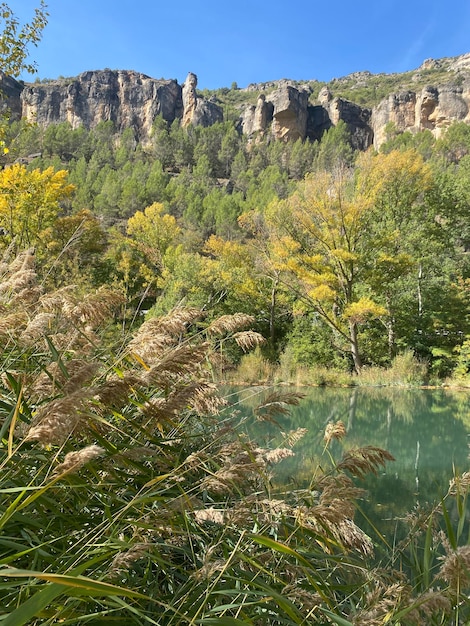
427	432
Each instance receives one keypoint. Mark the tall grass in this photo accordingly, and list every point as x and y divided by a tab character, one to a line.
126	498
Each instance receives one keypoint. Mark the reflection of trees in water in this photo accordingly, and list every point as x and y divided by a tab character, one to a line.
395	419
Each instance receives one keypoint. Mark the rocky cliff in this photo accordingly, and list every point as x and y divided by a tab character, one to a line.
431	97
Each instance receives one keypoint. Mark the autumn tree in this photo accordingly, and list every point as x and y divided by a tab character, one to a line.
318	235
30	203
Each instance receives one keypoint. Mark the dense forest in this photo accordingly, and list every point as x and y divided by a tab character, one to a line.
343	259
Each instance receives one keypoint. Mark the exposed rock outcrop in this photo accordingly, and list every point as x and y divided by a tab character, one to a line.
290	113
198	111
433	108
10	99
129	99
255	119
284	110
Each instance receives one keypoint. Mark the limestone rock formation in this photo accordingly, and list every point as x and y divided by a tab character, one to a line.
290	113
124	97
284	110
10	90
255	119
356	118
433	108
198	111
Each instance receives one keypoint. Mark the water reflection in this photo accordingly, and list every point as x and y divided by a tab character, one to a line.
425	430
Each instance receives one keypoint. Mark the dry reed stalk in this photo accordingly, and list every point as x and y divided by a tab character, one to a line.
431	604
181	360
12	325
335	430
307	600
455	568
229	324
40	325
459	484
248	339
94	308
123	561
294	436
114	393
55	421
276	403
54	301
383	602
362	461
73	461
158	333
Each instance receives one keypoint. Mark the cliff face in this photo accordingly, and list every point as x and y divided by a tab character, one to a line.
125	98
283	111
433	108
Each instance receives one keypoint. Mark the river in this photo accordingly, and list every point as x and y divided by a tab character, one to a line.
426	430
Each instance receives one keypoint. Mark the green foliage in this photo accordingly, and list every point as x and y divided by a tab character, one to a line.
14	42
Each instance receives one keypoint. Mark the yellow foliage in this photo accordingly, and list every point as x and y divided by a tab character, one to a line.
29	202
358	312
322	293
153	230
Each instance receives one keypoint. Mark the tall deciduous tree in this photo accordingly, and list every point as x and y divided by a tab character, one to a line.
319	234
30	203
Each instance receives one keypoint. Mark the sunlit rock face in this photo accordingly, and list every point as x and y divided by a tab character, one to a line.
127	98
432	108
289	113
196	110
284	110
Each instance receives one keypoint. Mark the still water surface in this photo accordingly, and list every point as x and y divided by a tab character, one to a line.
426	430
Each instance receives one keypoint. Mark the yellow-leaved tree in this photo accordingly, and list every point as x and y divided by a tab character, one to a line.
317	237
340	239
30	203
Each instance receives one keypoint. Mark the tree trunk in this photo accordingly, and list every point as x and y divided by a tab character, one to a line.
354	347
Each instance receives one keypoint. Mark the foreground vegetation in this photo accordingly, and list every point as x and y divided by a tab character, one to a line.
126	498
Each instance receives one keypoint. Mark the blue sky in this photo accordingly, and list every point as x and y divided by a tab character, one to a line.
246	41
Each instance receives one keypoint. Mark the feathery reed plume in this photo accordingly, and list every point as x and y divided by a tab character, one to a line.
54	301
229	323
294	436
362	461
459	484
455	568
124	560
335	430
183	359
176	321
277	402
114	393
431	604
210	514
38	326
55	421
96	307
384	601
242	466
81	376
73	461
12	325
339	490
157	333
248	339
277	455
